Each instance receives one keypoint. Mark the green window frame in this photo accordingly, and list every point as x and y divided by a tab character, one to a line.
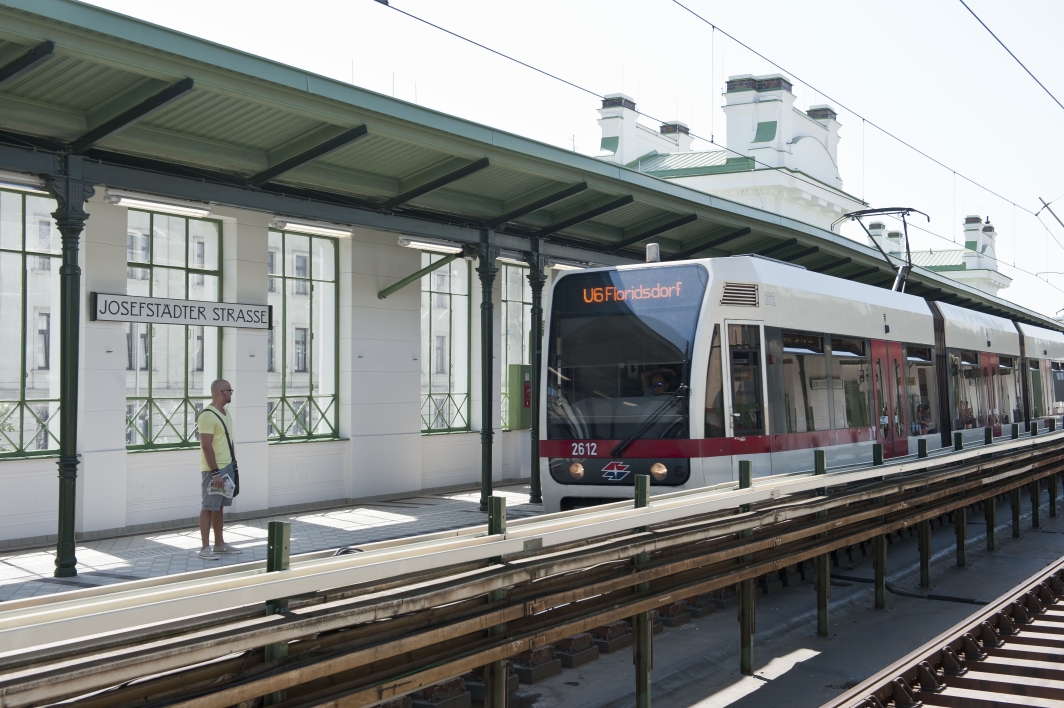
516	319
30	247
176	257
445	346
302	348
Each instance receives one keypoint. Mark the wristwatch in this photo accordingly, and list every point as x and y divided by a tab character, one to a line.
215	472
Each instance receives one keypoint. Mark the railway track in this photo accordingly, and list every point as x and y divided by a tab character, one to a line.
1007	654
389	619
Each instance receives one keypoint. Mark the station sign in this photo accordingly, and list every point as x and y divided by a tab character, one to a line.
155	310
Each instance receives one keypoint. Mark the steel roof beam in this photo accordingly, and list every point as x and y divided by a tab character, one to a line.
535	206
26	62
832	266
434	184
777	247
719	241
584	216
860	273
802	254
132	115
306	156
656	231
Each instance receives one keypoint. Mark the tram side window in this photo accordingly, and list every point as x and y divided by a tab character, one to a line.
805	383
920	393
1010	398
1057	374
966	390
881	401
744	351
1034	382
715	389
851	382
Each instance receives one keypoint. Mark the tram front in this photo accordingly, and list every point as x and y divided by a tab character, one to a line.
619	381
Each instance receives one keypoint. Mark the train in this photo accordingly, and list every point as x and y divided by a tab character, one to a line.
681	370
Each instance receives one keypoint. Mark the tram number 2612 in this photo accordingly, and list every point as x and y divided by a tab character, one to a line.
585	449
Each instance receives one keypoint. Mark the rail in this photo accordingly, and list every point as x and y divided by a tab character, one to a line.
402	614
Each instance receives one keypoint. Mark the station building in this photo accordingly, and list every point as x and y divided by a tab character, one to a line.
402	257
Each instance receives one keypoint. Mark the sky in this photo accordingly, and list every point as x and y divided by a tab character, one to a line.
924	71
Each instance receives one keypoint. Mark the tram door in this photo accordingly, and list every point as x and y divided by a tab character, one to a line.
988	364
888	371
747	397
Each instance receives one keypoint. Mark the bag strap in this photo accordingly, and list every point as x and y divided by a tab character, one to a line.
232	453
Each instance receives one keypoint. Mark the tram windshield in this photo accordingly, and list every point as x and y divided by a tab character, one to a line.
618	358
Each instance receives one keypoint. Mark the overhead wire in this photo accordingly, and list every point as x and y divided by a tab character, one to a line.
1011	54
712	140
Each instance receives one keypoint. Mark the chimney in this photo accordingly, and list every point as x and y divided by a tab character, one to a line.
827	117
895	245
980	243
877	229
679	131
618	123
760	117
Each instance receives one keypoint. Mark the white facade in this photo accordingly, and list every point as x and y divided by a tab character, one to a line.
380	451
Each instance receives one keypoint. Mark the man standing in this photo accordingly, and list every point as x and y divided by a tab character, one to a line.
216	461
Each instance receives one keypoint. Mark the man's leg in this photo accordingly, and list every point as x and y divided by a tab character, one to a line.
216	520
205	527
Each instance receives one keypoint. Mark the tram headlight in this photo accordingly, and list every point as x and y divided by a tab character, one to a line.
659	471
576	471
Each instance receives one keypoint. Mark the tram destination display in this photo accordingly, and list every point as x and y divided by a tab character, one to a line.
155	310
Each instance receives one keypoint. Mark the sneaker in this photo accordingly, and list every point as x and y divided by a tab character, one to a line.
208	554
226	548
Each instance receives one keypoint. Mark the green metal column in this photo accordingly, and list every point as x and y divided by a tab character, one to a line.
537	278
960	521
923	530
746	587
1035	489
643	644
1014	498
990	514
278	546
487	270
70	192
495	693
823	561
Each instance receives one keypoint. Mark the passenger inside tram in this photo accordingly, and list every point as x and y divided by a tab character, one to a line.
658	381
923	423
965	416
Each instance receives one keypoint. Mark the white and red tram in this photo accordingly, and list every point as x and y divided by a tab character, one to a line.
680	370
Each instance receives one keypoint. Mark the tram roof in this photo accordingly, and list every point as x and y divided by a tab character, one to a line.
162	112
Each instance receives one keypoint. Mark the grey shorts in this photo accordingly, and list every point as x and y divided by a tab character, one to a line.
213	502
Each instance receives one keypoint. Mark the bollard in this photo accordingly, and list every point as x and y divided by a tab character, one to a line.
278	547
823	566
495	694
988	436
1035	488
643	634
877	454
921	447
1014	498
960	521
746	587
1053	492
1034	428
958	440
923	530
990	514
1015	431
1052	424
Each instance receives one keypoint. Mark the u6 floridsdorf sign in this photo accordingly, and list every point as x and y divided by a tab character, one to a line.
133	308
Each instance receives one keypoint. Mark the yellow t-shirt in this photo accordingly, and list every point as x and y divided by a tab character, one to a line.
208	423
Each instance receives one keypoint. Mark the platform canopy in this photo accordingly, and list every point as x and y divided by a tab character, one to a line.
160	112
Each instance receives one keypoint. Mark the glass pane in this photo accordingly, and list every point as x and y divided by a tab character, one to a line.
459	270
321	415
274	341
923	398
169	240
40	426
168	282
10	329
137	423
296	416
9	426
192	411
136	359
851	383
41	233
202	360
10	221
138	281
297	256
806	383
427	341
167	422
324	259
715	389
323	342
42	327
167	361
203	242
881	401
512	282
203	287
297	338
138	237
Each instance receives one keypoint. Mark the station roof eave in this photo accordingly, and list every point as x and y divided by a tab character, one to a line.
161	112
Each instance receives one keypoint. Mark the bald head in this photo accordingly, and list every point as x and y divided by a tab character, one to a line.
221	394
217	385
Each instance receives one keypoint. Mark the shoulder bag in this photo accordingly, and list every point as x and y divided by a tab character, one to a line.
232	453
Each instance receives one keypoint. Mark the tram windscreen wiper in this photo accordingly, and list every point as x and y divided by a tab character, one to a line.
651	419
